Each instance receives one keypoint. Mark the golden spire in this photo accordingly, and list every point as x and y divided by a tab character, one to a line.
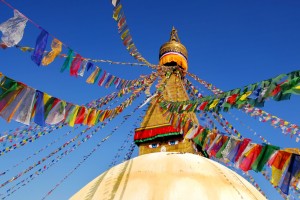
173	52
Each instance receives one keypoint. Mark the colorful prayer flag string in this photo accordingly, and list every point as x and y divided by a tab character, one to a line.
239	98
50	110
88	155
18	133
39	151
255	133
15	27
86	138
99	101
286	127
126	141
247	155
61	55
119	16
29	139
194	92
62	154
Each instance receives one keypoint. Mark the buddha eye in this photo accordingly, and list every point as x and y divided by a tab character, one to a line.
173	142
154	145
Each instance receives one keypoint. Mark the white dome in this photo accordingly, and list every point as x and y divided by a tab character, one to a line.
167	175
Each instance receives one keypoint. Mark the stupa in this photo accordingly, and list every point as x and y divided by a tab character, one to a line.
168	166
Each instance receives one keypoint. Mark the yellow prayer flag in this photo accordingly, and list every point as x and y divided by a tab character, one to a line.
214	104
244	96
276	176
124	34
103	115
56	47
92	77
74	115
93	121
130	46
46	98
117	11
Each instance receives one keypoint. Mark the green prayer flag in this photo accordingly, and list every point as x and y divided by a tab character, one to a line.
199	139
48	106
219	154
68	61
292	86
13	87
263	157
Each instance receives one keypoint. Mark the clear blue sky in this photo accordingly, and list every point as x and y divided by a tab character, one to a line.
230	44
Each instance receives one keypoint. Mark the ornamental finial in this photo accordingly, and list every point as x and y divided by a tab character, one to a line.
174	36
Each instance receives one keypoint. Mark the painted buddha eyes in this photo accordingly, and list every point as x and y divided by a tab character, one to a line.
154	145
172	142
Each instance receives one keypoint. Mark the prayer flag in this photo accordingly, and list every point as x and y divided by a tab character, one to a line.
94	76
280	159
250	157
49	104
68	61
263	157
23	114
293	171
213	104
115	2
278	164
242	147
90	66
56	47
40	46
75	65
117	11
57	113
91	117
39	111
81	115
83	68
13	29
70	119
100	83
8	112
13	89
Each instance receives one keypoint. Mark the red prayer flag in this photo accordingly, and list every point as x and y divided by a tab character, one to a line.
250	158
203	105
81	115
232	99
242	147
280	159
76	63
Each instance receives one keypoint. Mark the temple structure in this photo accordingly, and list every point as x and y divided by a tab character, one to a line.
168	166
156	132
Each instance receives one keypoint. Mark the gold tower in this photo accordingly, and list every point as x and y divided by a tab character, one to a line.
157	133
